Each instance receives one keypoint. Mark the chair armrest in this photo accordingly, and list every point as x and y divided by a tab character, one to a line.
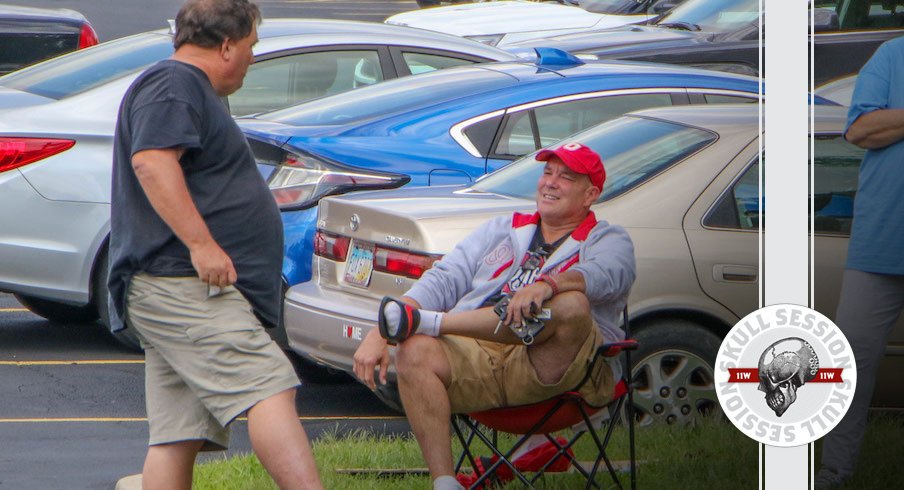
612	349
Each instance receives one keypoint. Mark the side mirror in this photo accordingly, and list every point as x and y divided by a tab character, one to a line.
825	19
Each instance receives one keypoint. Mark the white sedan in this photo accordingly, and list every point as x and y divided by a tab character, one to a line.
503	22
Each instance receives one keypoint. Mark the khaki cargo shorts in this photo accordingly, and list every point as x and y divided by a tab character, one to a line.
489	374
207	360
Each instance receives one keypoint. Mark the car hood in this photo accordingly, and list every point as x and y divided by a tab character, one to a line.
503	17
417	216
617	39
11	98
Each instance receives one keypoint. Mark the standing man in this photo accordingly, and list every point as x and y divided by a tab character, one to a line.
872	292
473	333
196	248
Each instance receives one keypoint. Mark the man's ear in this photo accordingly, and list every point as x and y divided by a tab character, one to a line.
226	49
591	195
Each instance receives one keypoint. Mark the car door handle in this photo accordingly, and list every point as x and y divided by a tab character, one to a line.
734	273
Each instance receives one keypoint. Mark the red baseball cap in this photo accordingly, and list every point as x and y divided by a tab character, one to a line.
580	159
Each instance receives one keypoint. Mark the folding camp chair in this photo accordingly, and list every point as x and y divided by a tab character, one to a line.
552	415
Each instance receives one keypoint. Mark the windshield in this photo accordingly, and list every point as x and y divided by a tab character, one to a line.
394	96
89	68
634	150
713	15
621	7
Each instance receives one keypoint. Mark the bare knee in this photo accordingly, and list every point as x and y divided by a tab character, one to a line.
572	310
421	355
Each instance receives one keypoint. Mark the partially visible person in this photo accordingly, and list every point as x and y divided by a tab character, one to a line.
872	292
512	315
196	248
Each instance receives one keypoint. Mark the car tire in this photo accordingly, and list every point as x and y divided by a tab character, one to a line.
389	395
311	372
673	374
428	3
58	312
127	336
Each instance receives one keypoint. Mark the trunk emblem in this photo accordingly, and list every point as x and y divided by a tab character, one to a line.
354	222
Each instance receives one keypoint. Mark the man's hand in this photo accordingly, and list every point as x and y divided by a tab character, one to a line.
527	302
213	265
372	353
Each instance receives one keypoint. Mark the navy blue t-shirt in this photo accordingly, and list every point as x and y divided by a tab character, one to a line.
173	105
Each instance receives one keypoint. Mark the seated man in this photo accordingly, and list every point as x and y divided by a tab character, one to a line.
528	298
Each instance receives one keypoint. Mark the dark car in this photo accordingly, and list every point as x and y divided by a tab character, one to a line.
29	35
724	35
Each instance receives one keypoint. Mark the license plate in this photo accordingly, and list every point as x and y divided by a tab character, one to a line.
360	265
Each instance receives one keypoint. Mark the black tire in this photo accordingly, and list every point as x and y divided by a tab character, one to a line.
311	372
428	3
673	373
389	395
58	312
101	293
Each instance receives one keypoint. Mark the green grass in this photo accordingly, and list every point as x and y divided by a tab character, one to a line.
714	455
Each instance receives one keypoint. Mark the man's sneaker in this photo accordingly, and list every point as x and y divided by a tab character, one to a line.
395	331
827	479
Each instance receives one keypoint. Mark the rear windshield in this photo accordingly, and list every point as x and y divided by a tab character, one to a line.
394	96
714	15
89	68
634	150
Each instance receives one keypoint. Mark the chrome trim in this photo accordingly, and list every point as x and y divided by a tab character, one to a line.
716	91
591	95
457	132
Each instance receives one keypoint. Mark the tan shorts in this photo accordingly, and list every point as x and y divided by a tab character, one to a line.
489	374
207	360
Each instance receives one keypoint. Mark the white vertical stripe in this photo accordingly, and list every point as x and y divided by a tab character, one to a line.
786	244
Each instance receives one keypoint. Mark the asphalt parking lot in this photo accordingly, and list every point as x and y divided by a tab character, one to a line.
72	410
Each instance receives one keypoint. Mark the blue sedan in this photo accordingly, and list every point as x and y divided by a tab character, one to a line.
452	126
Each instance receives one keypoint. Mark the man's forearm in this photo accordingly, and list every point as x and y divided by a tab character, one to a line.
161	178
567	281
877	129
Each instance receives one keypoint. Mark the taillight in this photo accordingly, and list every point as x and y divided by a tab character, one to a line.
86	37
330	246
16	152
403	263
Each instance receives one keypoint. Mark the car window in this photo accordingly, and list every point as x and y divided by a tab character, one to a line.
423	62
83	70
836	168
739	207
281	82
619	7
557	121
865	14
635	150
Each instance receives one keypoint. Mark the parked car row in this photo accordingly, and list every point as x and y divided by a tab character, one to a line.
329	109
56	137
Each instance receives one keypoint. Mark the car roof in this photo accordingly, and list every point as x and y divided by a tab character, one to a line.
720	117
281	33
17	12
